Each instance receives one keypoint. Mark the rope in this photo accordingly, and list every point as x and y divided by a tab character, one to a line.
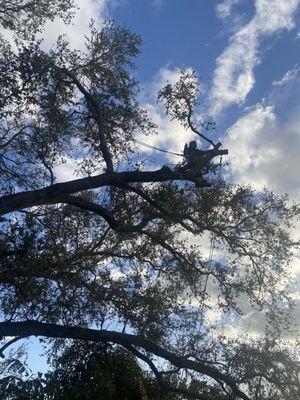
220	167
157	148
211	248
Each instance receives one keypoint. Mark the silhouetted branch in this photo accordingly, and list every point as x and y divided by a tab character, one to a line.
28	328
51	194
12	341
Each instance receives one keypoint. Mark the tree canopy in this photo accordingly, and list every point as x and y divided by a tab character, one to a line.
114	255
26	17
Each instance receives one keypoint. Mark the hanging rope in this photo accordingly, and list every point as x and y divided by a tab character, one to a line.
211	247
158	149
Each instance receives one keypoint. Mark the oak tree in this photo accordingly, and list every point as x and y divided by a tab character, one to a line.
114	254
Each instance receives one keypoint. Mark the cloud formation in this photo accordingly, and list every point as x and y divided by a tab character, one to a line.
265	151
287	77
234	74
224	9
87	10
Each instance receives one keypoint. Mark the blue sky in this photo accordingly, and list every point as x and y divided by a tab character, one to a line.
247	55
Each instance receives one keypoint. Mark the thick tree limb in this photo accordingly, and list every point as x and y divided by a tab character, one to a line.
147	360
52	193
165	387
28	328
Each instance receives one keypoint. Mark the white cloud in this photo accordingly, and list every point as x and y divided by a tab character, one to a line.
246	144
265	151
224	9
67	170
254	323
287	77
233	76
88	9
264	144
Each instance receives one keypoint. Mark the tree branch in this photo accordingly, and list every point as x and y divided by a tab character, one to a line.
155	205
52	193
98	117
191	125
12	341
13	137
103	212
28	328
165	387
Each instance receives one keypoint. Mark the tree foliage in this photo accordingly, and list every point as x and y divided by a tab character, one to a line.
26	17
86	371
121	246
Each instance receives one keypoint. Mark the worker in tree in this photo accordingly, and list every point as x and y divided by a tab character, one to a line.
195	159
